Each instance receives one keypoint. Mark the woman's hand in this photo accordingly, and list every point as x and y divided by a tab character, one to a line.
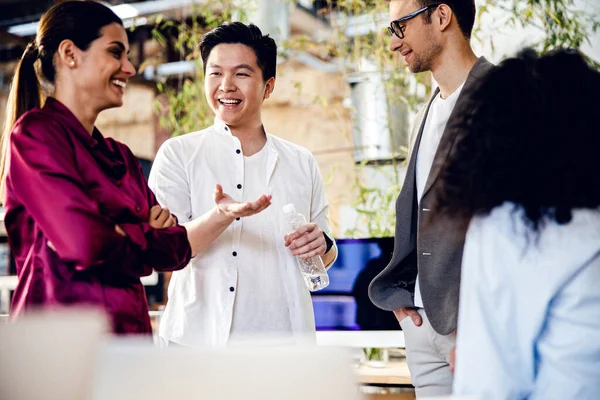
161	218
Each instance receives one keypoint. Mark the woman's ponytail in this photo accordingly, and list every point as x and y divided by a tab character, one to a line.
25	94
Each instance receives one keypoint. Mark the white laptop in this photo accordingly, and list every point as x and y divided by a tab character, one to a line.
130	370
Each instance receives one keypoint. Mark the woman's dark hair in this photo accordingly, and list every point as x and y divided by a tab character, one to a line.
530	138
78	21
263	46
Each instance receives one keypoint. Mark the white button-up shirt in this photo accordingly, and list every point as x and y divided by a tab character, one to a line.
202	296
529	315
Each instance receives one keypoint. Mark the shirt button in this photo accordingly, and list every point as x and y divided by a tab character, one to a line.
138	209
226	128
237	219
234	253
231	289
239	186
238	151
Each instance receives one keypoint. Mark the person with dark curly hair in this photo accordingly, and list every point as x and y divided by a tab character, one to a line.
524	178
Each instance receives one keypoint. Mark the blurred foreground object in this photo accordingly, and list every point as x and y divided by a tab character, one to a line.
51	355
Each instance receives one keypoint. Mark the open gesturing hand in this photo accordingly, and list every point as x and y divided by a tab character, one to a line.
234	209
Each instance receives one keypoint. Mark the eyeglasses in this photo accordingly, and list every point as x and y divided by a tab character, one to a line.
397	28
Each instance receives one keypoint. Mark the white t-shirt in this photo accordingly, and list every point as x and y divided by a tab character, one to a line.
435	123
260	308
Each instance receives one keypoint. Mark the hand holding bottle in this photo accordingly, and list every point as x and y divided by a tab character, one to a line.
307	247
306	241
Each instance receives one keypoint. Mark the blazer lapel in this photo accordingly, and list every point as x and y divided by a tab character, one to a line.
481	67
410	170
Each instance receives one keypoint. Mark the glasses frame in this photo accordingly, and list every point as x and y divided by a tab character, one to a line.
397	28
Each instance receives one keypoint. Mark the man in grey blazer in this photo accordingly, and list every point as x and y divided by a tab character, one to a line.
421	283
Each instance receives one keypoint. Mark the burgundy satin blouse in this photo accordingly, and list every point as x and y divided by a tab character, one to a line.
71	188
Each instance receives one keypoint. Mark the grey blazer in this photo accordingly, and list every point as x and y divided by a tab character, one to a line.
434	250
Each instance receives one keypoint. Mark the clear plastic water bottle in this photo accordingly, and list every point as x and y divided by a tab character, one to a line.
312	269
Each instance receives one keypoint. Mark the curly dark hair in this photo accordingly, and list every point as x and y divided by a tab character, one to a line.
530	137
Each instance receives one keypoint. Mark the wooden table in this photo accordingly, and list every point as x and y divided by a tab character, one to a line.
395	374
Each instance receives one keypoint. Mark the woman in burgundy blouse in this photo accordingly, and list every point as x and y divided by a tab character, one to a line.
81	221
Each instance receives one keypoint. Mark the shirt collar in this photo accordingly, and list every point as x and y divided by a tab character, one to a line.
56	108
108	157
222	128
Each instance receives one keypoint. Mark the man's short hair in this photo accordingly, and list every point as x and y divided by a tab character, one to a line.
464	10
263	46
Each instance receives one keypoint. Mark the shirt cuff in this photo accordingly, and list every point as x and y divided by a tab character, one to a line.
328	241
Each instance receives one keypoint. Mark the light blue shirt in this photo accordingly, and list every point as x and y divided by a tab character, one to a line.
529	315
